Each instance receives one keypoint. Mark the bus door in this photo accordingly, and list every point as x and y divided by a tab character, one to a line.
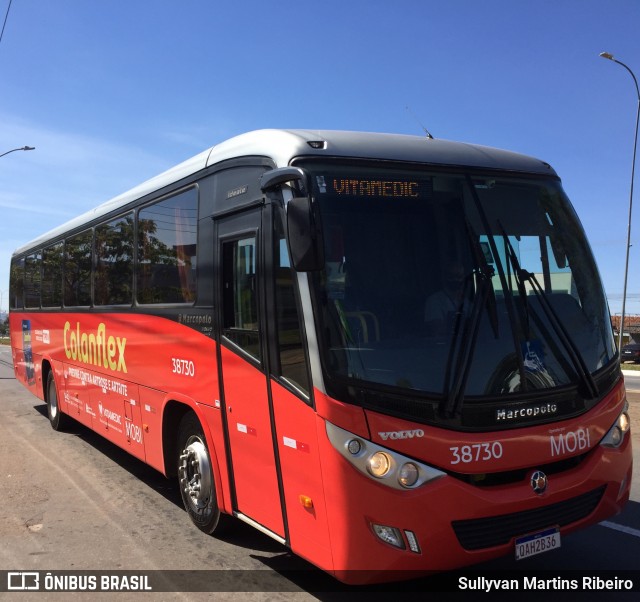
244	383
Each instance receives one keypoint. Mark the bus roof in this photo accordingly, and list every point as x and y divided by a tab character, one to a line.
284	145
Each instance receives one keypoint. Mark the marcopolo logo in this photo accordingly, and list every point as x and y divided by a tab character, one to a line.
528	412
95	348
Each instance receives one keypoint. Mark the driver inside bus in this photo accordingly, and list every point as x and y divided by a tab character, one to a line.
442	306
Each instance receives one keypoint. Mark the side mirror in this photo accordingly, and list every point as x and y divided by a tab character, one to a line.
304	235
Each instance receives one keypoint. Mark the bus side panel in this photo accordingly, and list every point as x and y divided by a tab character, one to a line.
76	393
213	422
250	437
24	361
302	477
116	413
151	406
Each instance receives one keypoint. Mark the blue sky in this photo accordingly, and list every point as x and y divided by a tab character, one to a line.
112	92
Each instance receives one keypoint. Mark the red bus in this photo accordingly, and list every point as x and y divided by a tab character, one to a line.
388	353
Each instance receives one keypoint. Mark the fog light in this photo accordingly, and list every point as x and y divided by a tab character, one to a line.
379	464
413	541
389	535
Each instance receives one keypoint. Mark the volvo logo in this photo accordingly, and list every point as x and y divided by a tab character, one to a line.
401	434
539	482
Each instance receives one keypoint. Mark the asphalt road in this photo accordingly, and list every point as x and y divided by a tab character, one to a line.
73	501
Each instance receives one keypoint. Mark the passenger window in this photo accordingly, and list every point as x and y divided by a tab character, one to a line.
166	270
240	302
52	275
32	280
113	280
16	283
77	269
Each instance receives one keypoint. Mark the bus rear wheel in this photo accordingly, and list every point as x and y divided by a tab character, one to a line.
57	419
195	477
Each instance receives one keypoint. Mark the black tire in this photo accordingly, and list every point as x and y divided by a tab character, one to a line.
195	477
57	419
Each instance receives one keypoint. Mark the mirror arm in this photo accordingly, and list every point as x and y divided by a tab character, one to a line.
276	177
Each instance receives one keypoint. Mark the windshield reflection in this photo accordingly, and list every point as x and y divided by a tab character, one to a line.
425	286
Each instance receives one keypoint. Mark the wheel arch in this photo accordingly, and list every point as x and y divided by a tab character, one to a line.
172	414
45	368
174	410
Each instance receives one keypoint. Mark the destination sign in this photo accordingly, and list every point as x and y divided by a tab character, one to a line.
390	187
380	188
394	186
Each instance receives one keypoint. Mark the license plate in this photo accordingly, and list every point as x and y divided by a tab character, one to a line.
537	543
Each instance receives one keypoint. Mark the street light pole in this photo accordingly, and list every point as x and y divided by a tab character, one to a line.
23	148
606	55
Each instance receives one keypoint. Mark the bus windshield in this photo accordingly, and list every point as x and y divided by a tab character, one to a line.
455	284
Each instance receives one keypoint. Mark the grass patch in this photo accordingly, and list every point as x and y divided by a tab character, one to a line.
630	366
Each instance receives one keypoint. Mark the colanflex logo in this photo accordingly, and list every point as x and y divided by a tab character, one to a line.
393	435
96	348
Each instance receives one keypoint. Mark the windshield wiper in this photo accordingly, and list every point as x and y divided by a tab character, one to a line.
522	276
516	326
464	339
523	306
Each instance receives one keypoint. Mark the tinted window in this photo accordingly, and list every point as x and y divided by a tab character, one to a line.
17	283
167	250
32	280
293	365
240	303
113	283
77	270
52	275
456	286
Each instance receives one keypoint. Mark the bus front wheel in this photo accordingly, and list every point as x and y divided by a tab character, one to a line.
195	476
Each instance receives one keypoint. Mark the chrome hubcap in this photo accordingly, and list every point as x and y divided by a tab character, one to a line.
194	472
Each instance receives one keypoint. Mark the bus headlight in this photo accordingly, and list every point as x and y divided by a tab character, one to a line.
379	464
408	474
376	462
618	430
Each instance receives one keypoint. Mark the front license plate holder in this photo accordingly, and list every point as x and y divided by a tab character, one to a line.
537	543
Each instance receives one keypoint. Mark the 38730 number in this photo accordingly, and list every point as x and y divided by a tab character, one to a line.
183	367
477	452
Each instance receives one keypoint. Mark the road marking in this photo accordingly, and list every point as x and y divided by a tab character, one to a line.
623	528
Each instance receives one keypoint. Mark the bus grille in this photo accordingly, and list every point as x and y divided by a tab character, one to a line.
479	533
